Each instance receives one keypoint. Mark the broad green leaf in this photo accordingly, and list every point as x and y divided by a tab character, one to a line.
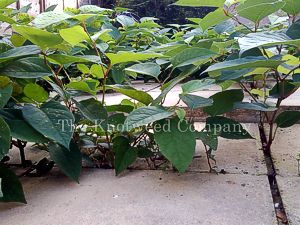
26	68
4	138
226	84
94	111
224	101
25	8
19	52
196	85
194	56
181	113
200	3
178	143
83	17
36	92
19	128
89	86
168	47
83	68
97	71
4	47
69	160
213	19
39	37
118	75
195	102
208	139
226	128
254	106
296	79
62	59
119	108
5	94
6	19
242	63
294	30
51	8
233	74
11	187
48	18
17	40
126	21
138	95
93	9
292	7
145	115
282	90
4	81
256	10
270	38
53	120
101	34
150	69
74	35
287	119
125	155
115	122
115	34
195	20
171	84
4	3
124	57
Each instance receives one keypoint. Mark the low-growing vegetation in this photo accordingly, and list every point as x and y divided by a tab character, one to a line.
49	61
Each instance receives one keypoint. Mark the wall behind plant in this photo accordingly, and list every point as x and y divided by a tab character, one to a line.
164	10
38	6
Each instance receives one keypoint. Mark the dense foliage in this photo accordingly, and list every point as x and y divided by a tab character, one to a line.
164	10
48	62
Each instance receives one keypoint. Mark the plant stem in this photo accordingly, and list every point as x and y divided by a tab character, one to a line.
105	76
207	157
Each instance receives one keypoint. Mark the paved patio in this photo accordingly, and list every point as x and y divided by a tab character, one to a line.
141	196
240	196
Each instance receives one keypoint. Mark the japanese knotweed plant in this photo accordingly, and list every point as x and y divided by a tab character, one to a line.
48	62
261	42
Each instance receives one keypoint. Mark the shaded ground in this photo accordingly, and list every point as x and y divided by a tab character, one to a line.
241	196
141	196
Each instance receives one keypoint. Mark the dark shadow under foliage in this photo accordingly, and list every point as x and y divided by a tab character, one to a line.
161	9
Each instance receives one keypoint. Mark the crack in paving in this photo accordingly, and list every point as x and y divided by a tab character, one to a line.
271	172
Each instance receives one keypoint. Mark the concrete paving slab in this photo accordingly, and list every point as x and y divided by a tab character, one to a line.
235	156
286	151
143	198
31	153
290	188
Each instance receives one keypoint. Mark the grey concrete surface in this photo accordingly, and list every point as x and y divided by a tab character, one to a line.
285	152
143	198
289	190
234	156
